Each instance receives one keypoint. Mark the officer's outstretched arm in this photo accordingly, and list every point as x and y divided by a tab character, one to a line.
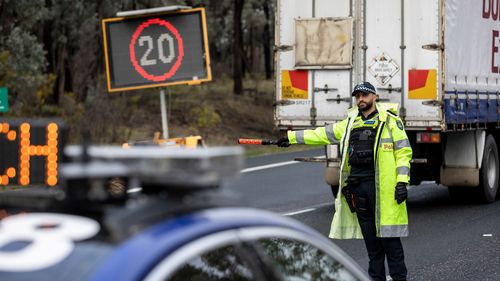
402	150
329	134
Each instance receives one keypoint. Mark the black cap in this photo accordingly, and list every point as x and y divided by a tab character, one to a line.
365	87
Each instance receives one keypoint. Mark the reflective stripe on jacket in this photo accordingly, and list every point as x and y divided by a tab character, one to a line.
392	154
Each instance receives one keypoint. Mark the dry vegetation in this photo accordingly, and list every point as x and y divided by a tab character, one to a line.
210	110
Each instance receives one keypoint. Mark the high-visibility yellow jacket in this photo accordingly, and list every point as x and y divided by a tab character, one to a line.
392	154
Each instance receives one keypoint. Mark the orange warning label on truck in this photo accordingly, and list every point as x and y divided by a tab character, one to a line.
422	84
294	84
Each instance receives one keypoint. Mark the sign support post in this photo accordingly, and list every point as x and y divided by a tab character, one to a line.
164	121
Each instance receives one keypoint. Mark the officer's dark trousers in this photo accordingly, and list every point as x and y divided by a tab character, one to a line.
378	248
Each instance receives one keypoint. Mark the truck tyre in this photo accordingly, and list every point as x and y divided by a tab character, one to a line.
489	171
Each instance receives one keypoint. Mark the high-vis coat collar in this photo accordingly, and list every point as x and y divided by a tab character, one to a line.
381	108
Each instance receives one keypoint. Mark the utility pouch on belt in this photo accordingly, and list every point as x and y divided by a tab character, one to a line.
349	196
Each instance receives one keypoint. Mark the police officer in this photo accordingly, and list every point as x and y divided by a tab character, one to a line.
374	173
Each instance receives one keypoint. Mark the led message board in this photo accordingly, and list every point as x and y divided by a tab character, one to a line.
156	50
29	152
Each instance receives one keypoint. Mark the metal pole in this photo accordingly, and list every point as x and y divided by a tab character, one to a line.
402	112
365	47
313	111
163	106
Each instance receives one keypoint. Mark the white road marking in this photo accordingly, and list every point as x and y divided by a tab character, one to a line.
269	166
487	235
258	168
299	212
307	210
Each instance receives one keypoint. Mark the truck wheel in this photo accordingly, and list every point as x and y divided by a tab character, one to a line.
489	170
335	190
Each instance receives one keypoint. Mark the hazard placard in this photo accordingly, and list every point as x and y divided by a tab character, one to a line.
383	68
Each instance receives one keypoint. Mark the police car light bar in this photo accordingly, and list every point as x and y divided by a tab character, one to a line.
168	166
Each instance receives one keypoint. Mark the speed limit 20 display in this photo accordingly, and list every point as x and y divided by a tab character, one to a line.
156	50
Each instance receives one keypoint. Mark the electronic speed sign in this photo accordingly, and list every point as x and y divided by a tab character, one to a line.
30	151
156	50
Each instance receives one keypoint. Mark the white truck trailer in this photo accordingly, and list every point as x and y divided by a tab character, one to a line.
439	60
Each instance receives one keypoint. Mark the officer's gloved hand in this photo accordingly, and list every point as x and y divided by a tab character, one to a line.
283	142
401	192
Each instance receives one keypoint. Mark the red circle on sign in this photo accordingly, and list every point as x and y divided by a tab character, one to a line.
177	64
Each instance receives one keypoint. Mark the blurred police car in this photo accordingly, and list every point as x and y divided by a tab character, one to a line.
175	227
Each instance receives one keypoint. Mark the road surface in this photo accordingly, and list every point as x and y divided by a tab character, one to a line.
448	240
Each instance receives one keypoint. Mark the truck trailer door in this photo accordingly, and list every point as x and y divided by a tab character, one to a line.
313	83
403	57
383	61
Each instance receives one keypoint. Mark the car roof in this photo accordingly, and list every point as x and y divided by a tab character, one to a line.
131	261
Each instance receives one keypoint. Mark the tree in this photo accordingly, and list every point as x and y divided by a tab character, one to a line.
52	55
22	56
238	47
266	39
219	22
257	28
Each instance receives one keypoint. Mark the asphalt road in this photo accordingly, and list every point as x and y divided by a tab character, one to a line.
448	240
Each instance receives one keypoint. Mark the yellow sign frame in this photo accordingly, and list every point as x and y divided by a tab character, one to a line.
188	82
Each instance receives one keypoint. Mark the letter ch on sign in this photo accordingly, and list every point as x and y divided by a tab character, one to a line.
18	167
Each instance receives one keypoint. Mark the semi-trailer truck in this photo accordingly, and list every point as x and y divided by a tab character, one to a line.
438	60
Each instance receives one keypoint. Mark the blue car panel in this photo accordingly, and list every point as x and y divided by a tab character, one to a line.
133	260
